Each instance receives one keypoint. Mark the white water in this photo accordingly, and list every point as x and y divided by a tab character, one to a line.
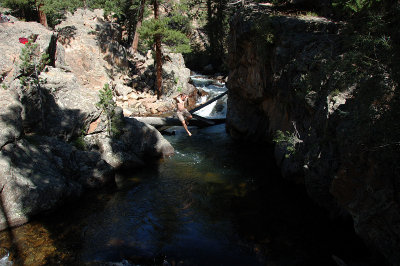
4	261
217	109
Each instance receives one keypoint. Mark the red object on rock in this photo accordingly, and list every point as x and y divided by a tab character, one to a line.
23	40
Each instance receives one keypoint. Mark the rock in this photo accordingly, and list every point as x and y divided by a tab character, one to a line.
122	90
10	117
136	143
311	99
70	107
146	141
345	159
43	173
115	152
178	75
91	47
127	112
10	47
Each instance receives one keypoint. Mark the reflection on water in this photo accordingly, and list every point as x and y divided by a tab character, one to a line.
214	203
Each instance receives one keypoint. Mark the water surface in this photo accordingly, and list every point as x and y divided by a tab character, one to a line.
215	202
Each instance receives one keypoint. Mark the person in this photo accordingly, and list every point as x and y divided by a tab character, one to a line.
181	112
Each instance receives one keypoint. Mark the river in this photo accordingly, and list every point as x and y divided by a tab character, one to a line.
215	202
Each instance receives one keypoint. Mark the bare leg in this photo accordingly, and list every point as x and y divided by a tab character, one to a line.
185	126
187	119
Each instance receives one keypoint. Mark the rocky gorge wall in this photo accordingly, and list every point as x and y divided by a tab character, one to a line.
337	138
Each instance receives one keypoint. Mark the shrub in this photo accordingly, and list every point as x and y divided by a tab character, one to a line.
288	140
107	104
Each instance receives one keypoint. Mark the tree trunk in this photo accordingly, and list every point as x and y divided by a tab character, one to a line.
42	15
135	42
197	121
158	56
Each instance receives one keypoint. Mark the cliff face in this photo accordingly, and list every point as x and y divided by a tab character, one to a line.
333	122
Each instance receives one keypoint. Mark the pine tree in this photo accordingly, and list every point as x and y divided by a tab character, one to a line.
32	64
158	31
41	14
107	104
135	42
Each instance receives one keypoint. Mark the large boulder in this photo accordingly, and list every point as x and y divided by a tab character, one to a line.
132	146
92	50
145	140
41	173
10	117
69	108
176	75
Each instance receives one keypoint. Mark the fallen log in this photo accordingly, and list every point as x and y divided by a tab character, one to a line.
207	103
159	122
162	123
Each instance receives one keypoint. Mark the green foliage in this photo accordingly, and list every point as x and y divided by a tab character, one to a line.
124	10
107	104
117	124
18	5
264	32
179	18
32	63
288	139
80	143
177	41
353	6
54	9
310	14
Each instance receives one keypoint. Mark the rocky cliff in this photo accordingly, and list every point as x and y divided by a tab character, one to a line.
54	143
293	79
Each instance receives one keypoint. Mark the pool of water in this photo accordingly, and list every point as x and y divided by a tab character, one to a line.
215	202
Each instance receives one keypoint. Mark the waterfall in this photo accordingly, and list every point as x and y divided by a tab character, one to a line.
213	88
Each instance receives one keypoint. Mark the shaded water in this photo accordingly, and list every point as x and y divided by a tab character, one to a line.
215	202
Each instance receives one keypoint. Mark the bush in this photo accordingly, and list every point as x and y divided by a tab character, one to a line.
287	139
107	104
